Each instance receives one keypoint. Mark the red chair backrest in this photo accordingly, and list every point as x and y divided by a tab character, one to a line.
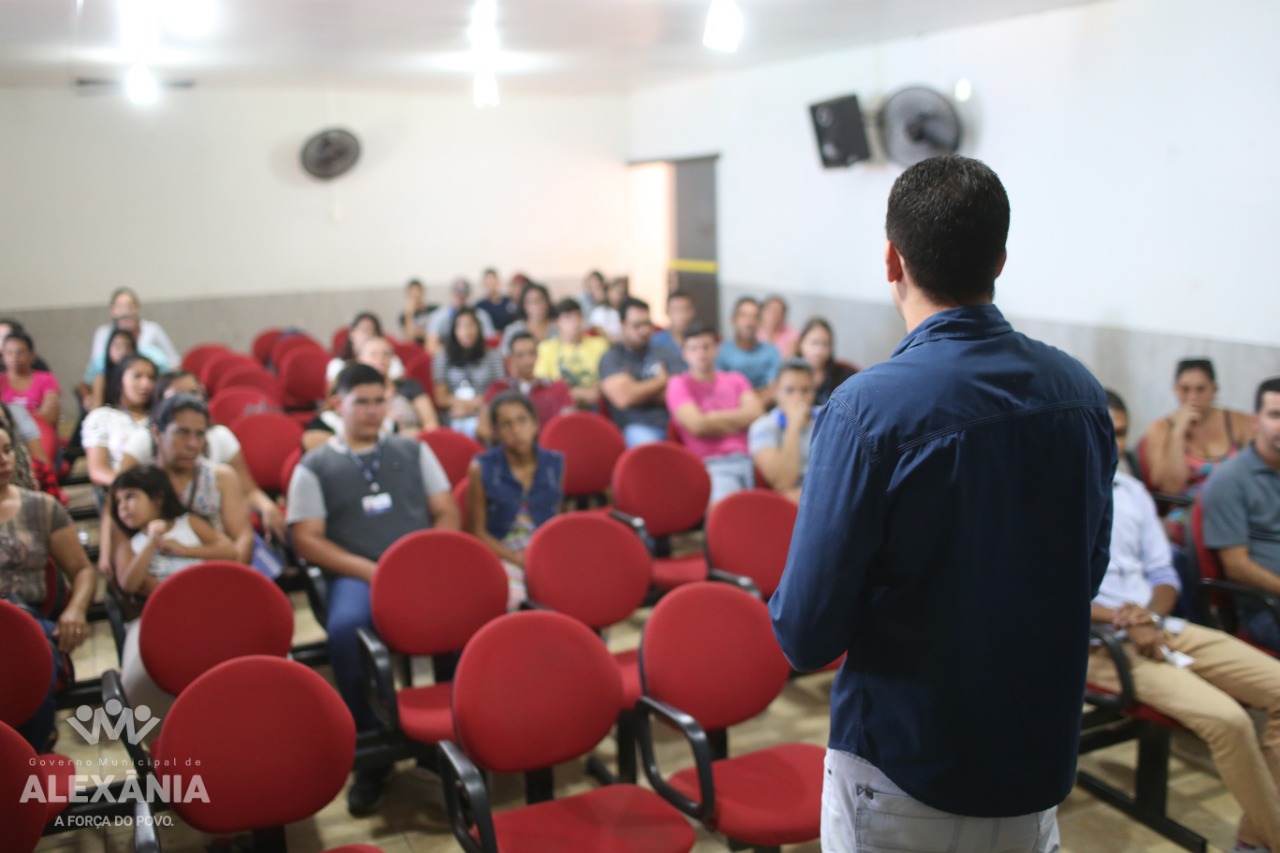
216	362
591	445
302	377
48	437
271	740
286	470
195	358
460	498
266	440
419	368
23	822
262	344
286	344
407	351
454	450
664	484
533	689
588	567
25	667
433	589
338	342
231	404
1206	558
243	376
749	533
1144	464
207	614
709	650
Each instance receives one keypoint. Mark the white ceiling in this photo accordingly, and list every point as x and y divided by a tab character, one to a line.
548	46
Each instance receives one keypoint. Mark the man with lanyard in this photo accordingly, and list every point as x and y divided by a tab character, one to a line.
349	500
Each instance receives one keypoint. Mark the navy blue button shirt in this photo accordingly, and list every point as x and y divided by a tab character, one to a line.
953	529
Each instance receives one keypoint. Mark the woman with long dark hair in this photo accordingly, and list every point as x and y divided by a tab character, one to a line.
464	373
816	345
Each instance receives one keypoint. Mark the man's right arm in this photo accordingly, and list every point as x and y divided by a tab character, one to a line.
624	391
1226	530
816	606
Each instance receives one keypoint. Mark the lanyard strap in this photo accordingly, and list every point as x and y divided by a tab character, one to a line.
370	471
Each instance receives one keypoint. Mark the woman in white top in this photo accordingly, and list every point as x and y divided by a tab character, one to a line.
107	429
605	318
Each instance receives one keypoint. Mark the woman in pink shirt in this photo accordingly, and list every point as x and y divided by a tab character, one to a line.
36	390
773	326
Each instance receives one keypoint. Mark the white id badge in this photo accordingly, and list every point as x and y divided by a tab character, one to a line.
377	504
1174	624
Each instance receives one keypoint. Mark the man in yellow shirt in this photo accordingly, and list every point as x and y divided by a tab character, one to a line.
572	356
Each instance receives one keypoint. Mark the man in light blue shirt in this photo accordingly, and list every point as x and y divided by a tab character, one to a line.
757	360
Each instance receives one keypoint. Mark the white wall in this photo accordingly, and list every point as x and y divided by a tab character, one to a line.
202	194
1134	138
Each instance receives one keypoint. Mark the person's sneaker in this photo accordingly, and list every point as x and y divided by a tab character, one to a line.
368	790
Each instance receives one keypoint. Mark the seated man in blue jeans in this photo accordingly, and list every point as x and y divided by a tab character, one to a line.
1242	512
349	500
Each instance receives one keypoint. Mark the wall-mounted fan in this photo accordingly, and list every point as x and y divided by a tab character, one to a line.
330	153
917	123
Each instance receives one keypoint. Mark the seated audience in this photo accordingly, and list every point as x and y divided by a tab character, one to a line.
365	325
413	319
21	384
1183	449
106	430
1242	513
441	320
408	404
515	288
572	357
535	317
156	537
349	500
463	373
773	326
680	313
712	410
745	354
1203	690
605	318
633	378
549	398
33	528
513	488
593	292
126	313
8	325
500	308
817	346
120	344
26	445
779	439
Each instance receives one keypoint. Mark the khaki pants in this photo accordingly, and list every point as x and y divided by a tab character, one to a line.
1206	698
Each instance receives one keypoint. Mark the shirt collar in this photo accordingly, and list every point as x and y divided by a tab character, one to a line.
1254	462
967	321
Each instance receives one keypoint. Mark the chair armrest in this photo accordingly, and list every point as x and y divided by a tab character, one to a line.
1106	635
1266	600
467	799
115	618
113	690
317	588
1172	499
742	582
633	521
144	829
379	678
697	739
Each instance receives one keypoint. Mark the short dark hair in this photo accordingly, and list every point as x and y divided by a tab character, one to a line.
20	335
518	337
456	353
774	297
169	377
413	282
568	306
121	291
493	271
796	365
509	397
629	303
155	484
697	329
14	325
948	218
1115	402
679	293
745	300
1195	364
1268	386
356	374
175	404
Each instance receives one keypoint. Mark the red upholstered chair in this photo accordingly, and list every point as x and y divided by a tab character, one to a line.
286	344
230	404
454	450
215	362
532	690
286	470
272	742
591	445
302	378
338	341
266	440
1220	597
595	570
460	498
749	533
407	351
263	342
419	368
709	660
243	376
430	592
194	359
23	822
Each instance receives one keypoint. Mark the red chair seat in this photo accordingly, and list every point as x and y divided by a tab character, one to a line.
629	667
611	819
425	712
671	572
755	789
1139	711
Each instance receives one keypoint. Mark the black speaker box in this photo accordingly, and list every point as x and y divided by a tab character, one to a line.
842	136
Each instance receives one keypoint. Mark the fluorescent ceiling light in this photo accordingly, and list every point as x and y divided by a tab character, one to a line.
140	85
485	91
724	26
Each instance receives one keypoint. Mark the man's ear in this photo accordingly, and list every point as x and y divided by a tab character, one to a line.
1004	256
892	263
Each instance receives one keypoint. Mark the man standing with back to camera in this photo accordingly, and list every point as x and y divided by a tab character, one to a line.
953	529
